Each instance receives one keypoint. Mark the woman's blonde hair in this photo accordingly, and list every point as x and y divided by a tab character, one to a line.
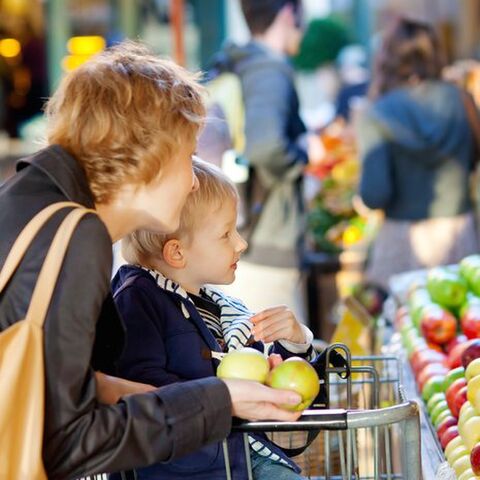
215	188
123	114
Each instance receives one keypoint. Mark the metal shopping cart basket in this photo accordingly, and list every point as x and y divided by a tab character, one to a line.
370	431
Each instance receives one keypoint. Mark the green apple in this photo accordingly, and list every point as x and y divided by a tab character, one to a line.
453	375
298	375
440	407
245	364
441	417
461	464
471	432
473	369
432	385
455	443
473	393
434	399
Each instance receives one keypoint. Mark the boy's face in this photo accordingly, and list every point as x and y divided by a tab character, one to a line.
215	248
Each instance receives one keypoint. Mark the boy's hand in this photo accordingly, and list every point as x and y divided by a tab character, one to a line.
277	323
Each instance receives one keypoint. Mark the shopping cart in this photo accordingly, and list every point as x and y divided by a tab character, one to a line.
370	431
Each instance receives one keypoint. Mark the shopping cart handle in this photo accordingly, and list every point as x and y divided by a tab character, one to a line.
332	419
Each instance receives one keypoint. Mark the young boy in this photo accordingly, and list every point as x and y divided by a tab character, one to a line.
177	325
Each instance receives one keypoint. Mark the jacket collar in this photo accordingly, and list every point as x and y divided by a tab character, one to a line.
234	315
64	171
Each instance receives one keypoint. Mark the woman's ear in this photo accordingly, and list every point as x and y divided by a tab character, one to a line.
173	253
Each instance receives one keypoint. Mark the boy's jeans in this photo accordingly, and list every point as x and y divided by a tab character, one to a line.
265	469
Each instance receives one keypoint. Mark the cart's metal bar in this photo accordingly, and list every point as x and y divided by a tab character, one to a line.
333	419
327	454
248	460
342	454
388	453
226	457
382	416
413	467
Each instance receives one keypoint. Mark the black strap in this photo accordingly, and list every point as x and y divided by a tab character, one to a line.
294	452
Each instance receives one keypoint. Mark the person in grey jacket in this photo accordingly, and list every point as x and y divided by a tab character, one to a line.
417	151
121	132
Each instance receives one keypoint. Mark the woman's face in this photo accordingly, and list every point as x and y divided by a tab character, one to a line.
161	201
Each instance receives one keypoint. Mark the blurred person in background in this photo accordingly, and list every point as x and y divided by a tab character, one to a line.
417	150
276	151
352	63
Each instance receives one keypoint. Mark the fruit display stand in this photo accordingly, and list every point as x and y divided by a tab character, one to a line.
339	229
369	430
436	316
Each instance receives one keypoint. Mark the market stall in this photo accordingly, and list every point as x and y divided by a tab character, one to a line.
436	319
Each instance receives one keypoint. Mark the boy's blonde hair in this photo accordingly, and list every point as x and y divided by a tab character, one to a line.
215	188
123	114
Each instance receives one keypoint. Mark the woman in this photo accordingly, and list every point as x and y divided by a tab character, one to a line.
418	153
121	132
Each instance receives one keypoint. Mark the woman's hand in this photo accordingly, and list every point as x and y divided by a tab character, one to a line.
277	323
111	389
254	401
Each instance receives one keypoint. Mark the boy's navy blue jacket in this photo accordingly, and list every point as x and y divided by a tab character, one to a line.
162	347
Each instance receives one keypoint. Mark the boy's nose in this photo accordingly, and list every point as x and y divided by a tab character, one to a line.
242	244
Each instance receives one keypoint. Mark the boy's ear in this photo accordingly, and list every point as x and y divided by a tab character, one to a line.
173	253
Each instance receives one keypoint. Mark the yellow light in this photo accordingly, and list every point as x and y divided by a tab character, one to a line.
87	45
9	47
71	62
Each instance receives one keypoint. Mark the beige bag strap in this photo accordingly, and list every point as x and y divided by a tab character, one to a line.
23	241
47	279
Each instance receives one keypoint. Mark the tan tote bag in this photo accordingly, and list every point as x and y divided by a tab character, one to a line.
22	377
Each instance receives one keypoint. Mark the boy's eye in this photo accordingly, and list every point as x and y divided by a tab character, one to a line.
226	234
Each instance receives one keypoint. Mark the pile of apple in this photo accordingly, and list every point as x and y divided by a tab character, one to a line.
295	374
440	329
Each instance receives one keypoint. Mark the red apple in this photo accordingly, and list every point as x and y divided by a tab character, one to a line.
429	371
470	321
455	356
454	342
452	392
475	459
449	434
298	375
424	358
437	325
471	352
448	422
459	399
